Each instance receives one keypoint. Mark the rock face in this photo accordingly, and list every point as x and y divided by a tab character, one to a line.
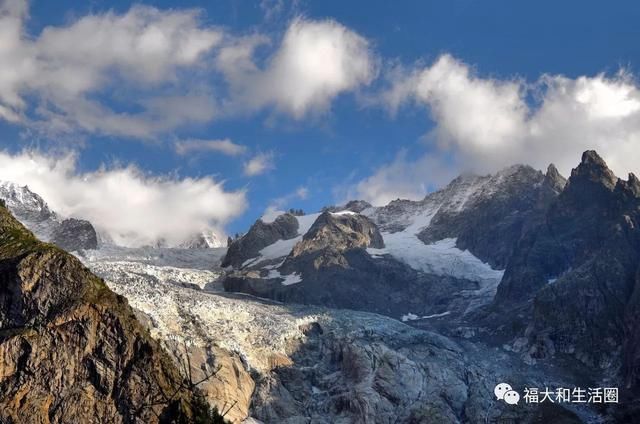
259	236
204	240
576	274
71	350
494	217
75	234
29	208
331	235
32	211
390	373
231	389
354	280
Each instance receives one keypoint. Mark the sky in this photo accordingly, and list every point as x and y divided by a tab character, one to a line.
158	119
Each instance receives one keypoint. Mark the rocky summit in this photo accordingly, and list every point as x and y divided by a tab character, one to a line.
69	234
410	312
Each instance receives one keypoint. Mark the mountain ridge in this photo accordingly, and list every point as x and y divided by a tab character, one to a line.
527	276
71	349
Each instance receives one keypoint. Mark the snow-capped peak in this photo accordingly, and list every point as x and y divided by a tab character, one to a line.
29	208
21	200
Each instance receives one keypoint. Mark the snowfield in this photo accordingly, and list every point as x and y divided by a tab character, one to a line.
440	258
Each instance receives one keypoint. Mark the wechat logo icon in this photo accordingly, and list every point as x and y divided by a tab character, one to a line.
505	392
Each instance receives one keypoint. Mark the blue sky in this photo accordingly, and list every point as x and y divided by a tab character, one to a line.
435	88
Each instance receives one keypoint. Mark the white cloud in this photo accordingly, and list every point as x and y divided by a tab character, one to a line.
302	193
134	209
484	124
259	164
403	178
224	146
136	58
315	62
276	206
150	71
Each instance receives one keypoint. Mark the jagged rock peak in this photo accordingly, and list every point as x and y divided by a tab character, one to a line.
206	239
634	184
554	179
24	202
260	235
515	169
346	230
593	168
629	187
357	205
352	205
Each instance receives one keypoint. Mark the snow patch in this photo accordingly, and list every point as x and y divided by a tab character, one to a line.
282	248
279	249
344	212
440	258
414	317
287	279
305	222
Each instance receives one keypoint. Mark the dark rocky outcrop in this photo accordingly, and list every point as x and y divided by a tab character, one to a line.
594	214
75	234
258	237
490	224
575	275
71	350
356	281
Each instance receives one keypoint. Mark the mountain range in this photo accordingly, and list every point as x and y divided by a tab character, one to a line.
410	312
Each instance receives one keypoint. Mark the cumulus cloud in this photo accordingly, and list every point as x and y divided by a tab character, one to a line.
144	51
150	71
484	124
224	146
132	208
259	164
402	178
315	62
276	206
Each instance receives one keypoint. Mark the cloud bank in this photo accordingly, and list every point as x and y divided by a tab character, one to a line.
61	80
276	206
132	208
148	71
484	124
